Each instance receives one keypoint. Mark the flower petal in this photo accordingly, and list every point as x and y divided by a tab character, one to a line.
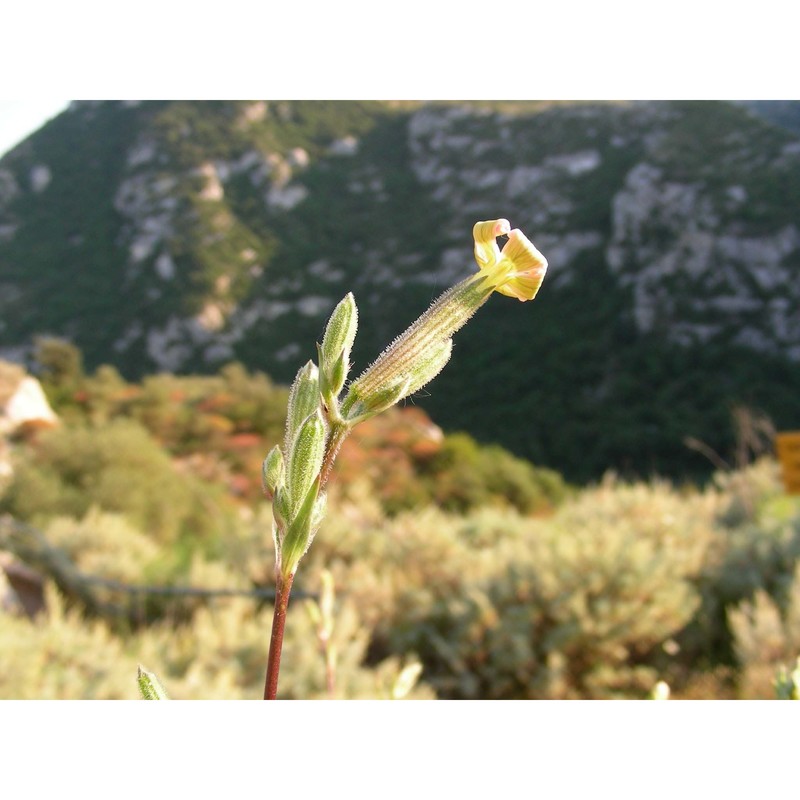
528	267
523	287
520	251
485	234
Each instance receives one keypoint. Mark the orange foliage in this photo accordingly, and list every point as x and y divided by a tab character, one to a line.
243	441
215	403
386	450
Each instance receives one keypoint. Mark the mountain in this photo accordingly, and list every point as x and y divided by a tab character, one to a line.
785	113
182	235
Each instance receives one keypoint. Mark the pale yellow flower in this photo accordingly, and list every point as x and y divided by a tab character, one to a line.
518	269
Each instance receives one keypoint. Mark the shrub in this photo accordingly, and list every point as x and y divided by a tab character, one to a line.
219	654
766	638
754	548
576	606
118	468
60	655
95	542
464	475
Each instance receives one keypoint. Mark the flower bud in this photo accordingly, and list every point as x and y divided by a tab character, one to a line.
281	510
272	471
430	364
331	381
357	407
340	334
305	459
303	400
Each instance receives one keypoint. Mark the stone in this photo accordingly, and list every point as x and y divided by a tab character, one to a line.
23	402
346	146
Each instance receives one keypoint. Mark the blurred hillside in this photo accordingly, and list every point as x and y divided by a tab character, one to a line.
182	236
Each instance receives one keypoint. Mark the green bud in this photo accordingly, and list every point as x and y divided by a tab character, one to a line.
281	509
303	400
336	375
305	458
150	686
272	471
340	334
334	353
357	408
331	382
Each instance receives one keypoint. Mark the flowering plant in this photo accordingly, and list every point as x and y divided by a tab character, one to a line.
296	473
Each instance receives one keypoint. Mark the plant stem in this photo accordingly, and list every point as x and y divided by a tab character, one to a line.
283	588
338	435
329	658
330	675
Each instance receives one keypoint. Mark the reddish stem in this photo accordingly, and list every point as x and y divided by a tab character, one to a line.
338	435
283	586
283	589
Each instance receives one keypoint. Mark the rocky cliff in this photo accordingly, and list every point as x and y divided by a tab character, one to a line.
180	236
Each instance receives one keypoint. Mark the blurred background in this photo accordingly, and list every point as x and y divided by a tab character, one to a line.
585	502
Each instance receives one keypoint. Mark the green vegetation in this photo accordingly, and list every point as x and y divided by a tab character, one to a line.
579	389
601	598
513	587
119	468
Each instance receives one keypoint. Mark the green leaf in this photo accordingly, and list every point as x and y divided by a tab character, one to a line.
301	530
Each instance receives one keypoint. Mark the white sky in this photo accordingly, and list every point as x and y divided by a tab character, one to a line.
20	118
548	51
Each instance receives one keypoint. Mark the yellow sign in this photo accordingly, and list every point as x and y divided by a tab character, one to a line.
788	448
